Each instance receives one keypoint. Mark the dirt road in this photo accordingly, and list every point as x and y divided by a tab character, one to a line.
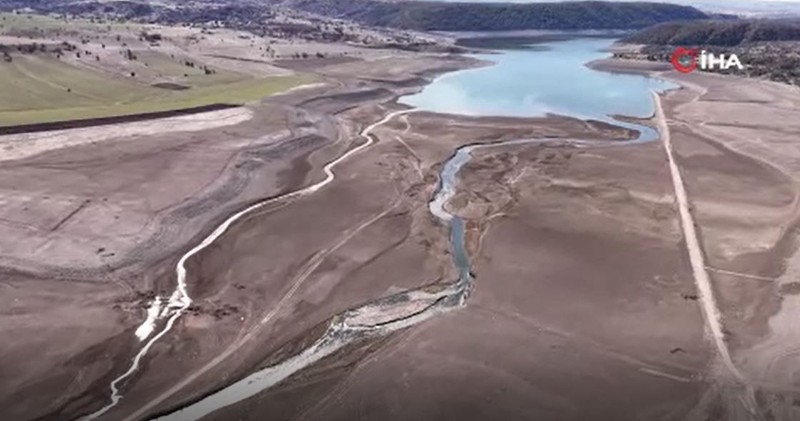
713	318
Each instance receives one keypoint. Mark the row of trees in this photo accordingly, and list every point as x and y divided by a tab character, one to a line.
718	33
35	47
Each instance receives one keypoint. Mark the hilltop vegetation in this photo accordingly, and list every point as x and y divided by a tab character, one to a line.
769	49
43	89
56	69
718	32
414	15
264	18
441	16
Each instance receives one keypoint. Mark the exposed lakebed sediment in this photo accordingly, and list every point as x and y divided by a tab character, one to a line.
384	316
374	319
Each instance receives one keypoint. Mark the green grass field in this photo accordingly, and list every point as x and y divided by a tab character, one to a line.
38	89
35	82
161	65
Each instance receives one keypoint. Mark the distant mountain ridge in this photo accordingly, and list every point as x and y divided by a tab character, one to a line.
716	32
449	16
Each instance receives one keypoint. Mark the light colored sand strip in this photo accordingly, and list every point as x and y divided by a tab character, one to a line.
416	156
24	145
302	88
180	299
741	275
658	373
338	335
149	325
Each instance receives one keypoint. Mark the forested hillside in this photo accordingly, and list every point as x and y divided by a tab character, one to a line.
442	16
417	15
767	48
715	32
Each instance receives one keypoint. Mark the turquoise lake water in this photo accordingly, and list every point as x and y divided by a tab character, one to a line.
534	82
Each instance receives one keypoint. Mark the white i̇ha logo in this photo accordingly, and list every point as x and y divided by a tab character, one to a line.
686	60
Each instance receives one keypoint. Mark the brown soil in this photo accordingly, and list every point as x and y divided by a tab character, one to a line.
583	307
579	310
735	142
117	213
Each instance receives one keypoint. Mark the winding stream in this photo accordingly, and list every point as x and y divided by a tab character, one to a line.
414	306
180	300
343	330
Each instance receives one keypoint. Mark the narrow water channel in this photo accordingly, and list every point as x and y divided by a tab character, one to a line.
365	322
353	326
343	330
